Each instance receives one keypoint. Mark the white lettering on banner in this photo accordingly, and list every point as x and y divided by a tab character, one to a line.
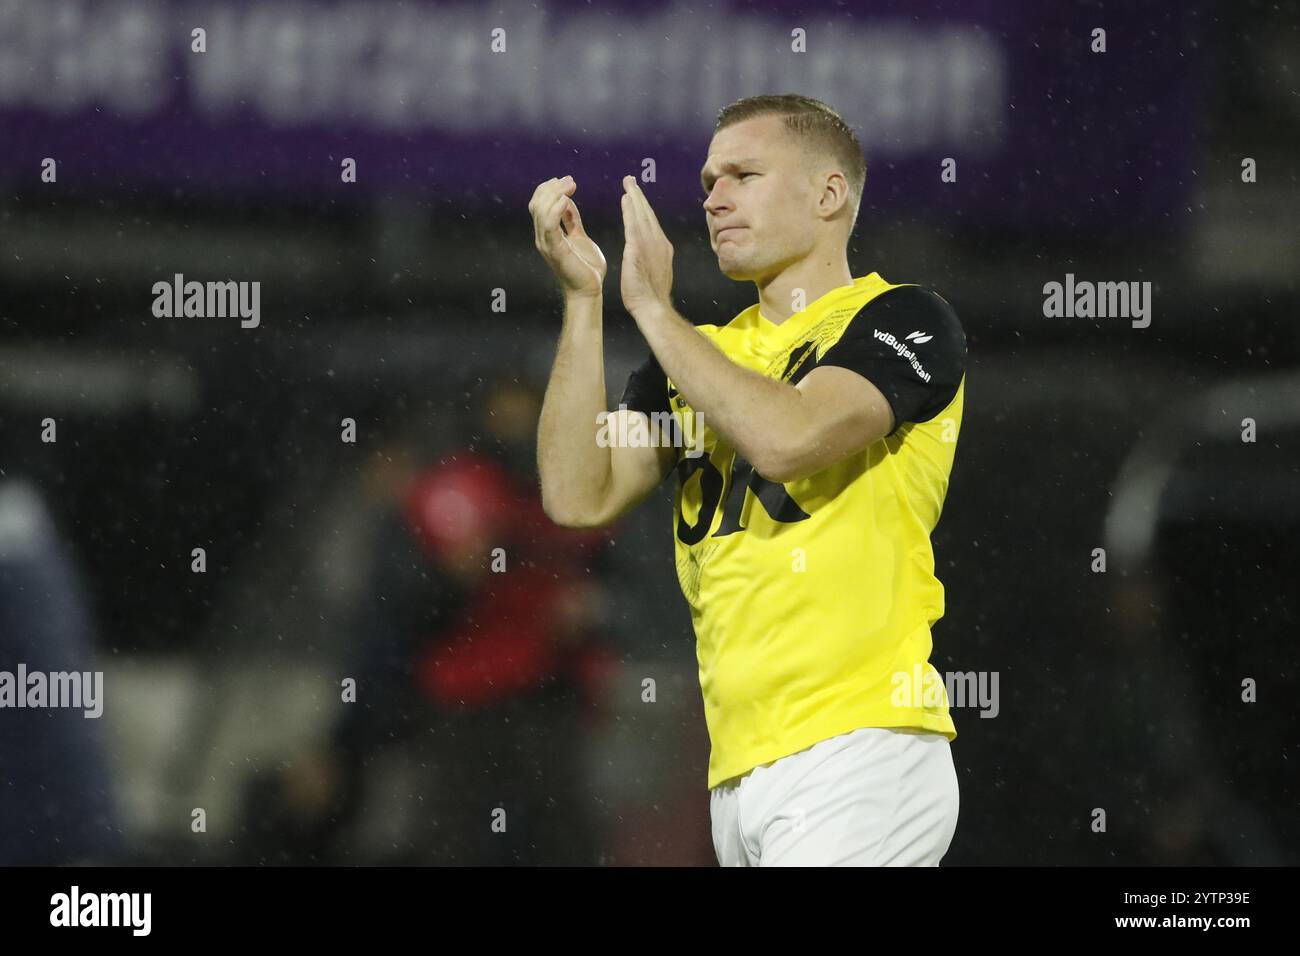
430	67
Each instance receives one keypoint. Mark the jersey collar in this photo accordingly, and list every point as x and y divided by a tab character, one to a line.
798	322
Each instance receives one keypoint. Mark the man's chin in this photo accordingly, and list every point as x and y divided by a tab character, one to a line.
733	269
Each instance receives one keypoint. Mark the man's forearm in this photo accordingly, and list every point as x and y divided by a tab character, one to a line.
574	470
754	413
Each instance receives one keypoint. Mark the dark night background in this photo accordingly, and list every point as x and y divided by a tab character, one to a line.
1119	690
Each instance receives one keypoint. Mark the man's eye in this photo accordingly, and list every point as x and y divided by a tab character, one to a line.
743	175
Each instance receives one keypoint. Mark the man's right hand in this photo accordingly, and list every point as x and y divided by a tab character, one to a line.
574	258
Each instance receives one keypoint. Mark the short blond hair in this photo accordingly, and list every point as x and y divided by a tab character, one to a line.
818	129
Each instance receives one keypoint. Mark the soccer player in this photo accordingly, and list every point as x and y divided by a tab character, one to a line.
830	413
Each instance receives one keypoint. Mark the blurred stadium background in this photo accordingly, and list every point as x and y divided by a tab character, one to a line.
379	303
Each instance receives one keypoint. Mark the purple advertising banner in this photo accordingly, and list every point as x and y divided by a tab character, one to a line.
472	104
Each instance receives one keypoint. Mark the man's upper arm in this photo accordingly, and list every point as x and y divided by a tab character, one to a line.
901	359
636	471
909	344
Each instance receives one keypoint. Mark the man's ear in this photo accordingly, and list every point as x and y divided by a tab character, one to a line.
835	194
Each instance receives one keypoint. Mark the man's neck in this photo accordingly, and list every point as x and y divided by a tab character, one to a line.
812	278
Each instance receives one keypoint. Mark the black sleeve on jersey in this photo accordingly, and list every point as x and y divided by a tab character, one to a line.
937	340
647	391
647	388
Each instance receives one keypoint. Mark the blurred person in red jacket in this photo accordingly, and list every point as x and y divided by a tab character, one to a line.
531	599
479	648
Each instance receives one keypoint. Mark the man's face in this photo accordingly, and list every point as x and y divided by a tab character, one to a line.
761	203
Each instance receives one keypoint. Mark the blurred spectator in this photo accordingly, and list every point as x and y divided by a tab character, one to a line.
479	649
56	800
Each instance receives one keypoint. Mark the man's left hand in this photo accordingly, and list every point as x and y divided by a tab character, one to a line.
647	275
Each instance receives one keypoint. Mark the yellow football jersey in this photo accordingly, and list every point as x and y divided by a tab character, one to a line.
813	600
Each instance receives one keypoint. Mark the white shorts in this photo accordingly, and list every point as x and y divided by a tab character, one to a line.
872	797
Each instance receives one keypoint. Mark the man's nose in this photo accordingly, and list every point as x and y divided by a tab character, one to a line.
715	202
